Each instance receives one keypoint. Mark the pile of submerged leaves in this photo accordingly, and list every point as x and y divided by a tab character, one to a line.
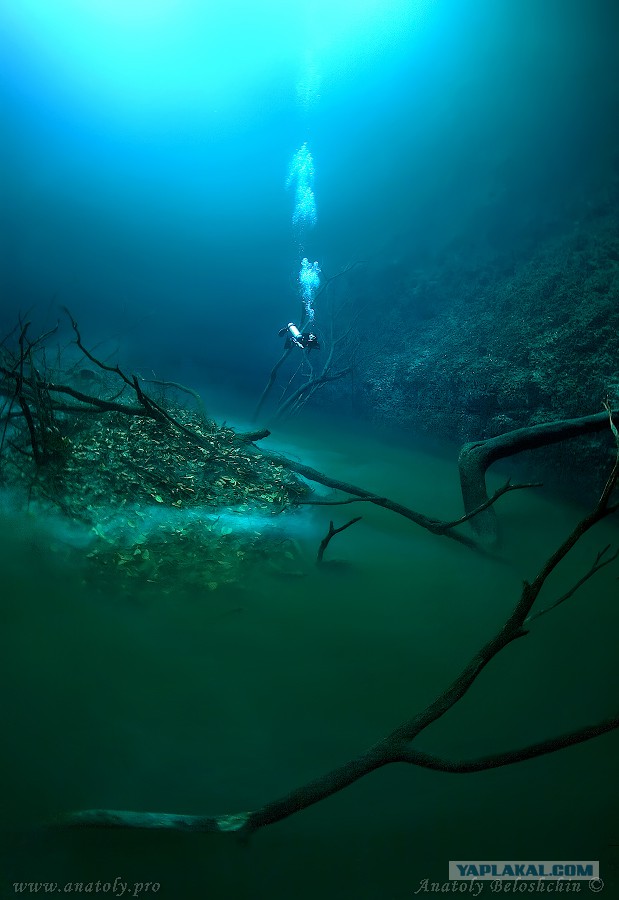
173	510
176	555
116	459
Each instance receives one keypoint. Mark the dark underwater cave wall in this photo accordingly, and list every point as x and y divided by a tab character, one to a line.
470	346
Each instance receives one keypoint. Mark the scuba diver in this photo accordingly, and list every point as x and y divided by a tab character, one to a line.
304	340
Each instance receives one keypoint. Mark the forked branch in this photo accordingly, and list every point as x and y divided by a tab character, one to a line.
330	534
397	746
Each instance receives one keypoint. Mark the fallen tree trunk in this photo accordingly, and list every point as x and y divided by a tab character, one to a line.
396	747
143	406
246	823
435	526
476	457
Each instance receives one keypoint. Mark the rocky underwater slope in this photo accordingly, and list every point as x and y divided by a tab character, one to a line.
470	350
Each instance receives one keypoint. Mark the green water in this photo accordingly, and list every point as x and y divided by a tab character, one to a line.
220	702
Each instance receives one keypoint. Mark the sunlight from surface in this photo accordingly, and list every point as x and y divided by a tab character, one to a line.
160	54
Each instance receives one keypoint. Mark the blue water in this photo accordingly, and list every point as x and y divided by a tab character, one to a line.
144	152
144	157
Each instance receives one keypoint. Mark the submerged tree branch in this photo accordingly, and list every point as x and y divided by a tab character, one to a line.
435	526
508	486
330	534
396	746
476	457
29	390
